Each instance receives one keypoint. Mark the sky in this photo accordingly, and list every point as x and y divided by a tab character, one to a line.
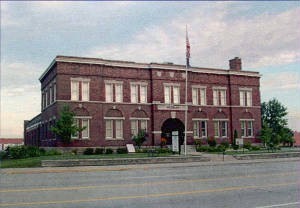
264	34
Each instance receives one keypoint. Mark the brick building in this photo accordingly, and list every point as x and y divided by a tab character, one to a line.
114	99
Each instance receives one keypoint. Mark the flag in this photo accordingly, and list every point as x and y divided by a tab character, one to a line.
188	48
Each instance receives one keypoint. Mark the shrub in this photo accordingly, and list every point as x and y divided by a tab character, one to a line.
140	138
3	155
235	146
99	151
121	150
163	150
74	151
255	148
88	151
17	152
108	151
247	145
220	148
42	151
32	151
212	142
225	144
53	152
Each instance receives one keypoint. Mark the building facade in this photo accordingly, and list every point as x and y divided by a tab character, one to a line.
116	99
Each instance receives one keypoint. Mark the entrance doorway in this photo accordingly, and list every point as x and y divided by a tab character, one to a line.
173	127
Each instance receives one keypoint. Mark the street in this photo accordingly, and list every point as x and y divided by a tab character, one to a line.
256	185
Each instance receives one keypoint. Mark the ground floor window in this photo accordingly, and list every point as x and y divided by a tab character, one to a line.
221	128
137	125
200	129
82	123
246	128
114	128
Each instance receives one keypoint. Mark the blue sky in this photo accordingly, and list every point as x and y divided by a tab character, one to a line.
264	34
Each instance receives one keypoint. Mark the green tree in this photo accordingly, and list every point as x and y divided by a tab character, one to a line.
65	126
274	121
140	138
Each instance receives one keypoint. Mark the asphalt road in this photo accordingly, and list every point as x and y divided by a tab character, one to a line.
259	185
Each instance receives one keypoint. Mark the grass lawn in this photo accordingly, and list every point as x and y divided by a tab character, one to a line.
245	151
36	161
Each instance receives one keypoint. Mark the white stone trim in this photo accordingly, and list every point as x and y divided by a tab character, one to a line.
156	132
143	83
111	81
114	139
189	132
171	84
220	119
80	79
199	86
219	88
83	117
134	118
245	89
247	119
200	119
114	118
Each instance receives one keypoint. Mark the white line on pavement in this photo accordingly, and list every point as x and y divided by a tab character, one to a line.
279	205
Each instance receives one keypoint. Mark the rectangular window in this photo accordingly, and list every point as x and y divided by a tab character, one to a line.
249	98
223	128
74	90
85	132
216	128
108	129
250	128
216	97
85	91
108	92
76	123
196	129
167	94
143	94
223	97
54	92
46	98
243	128
119	129
203	129
50	96
195	96
202	96
134	127
242	98
143	125
134	93
176	98
119	93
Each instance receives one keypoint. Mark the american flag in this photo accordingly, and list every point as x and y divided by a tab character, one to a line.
188	48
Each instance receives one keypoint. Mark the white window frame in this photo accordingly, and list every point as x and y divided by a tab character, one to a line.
109	132
118	93
196	129
243	129
143	93
195	99
108	92
249	98
145	123
134	127
134	93
222	97
205	128
85	91
167	94
76	123
54	91
75	90
250	127
176	96
226	129
215	97
202	96
119	129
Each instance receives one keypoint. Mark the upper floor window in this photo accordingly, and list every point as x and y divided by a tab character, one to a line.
138	92
219	96
169	90
198	95
245	97
110	88
76	84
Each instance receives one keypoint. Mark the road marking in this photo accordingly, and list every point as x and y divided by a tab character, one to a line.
145	184
235	188
280	205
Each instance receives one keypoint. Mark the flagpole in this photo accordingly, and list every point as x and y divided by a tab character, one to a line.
186	91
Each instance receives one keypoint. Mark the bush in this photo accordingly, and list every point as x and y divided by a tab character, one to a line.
74	151
42	151
212	142
17	152
53	152
3	155
255	148
109	151
235	146
247	145
122	150
99	151
88	151
163	150
225	144
32	151
220	148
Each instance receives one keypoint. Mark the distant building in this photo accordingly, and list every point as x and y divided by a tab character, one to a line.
5	142
297	138
114	99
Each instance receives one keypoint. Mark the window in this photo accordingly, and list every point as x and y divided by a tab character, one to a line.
50	95
245	97
203	128
250	128
85	132
108	129
114	91
176	95
138	124
246	128
114	128
134	93
85	91
219	97
243	128
119	93
196	129
108	92
119	129
221	128
134	127
74	90
168	94
76	123
143	93
196	91
54	92
200	129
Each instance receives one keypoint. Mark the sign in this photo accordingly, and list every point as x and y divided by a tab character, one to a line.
239	142
175	145
130	148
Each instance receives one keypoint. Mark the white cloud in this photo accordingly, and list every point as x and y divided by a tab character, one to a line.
281	81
